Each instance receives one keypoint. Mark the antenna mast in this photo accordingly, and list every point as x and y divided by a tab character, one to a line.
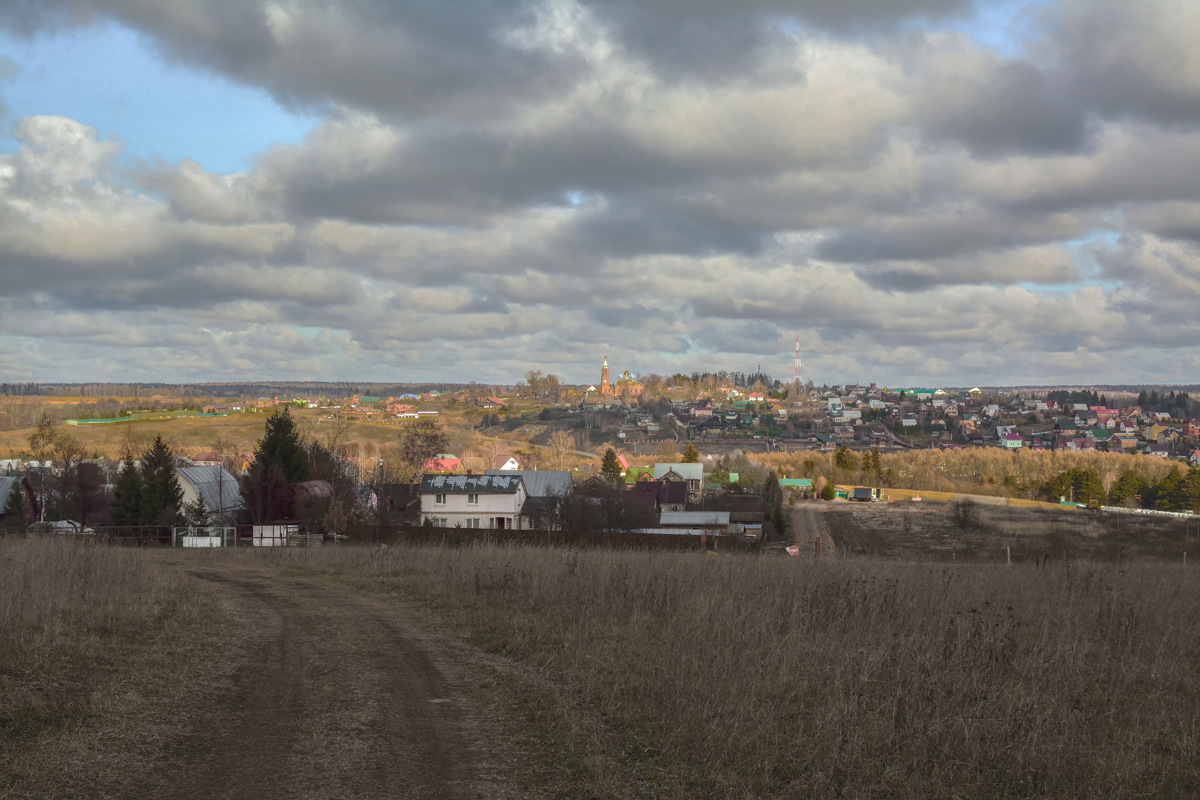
799	383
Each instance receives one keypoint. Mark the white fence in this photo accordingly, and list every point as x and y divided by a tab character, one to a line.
204	536
1150	511
273	535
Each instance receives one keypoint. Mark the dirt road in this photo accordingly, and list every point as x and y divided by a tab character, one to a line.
335	695
808	524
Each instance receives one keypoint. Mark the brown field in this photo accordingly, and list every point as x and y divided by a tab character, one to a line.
928	532
187	435
491	671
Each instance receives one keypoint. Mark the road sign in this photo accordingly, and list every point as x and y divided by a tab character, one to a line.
793	550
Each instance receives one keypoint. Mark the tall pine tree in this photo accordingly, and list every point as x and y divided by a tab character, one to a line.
161	493
279	460
281	448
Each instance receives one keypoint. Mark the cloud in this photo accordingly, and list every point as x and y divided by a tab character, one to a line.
499	185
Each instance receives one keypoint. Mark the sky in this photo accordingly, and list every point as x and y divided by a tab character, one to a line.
927	192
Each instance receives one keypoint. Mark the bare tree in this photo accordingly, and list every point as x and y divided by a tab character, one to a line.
418	444
561	446
337	432
41	441
668	452
965	513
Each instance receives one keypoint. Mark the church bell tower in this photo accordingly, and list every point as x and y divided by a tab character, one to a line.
605	386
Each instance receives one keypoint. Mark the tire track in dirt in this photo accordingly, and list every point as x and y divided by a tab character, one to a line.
238	749
335	696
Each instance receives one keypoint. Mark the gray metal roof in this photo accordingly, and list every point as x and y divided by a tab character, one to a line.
689	472
694	518
6	485
214	484
541	483
507	483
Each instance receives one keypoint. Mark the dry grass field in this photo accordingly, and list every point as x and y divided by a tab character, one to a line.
671	675
99	649
622	674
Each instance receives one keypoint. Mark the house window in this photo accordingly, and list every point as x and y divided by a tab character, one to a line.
472	499
439	499
473	523
443	522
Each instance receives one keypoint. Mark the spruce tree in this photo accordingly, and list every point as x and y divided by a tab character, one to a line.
281	448
127	497
161	494
15	512
690	454
611	467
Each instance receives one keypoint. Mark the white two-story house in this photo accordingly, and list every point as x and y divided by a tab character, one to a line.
472	501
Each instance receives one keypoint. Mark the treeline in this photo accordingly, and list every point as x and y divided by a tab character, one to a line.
1179	405
1066	398
21	389
980	470
1176	491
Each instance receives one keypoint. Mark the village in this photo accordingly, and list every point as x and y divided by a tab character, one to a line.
701	455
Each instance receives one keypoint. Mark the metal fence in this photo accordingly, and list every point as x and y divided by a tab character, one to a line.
375	535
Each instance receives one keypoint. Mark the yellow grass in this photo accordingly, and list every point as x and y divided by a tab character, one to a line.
909	494
1019	503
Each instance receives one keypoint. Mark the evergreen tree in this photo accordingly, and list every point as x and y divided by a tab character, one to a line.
1127	489
127	497
15	508
1166	498
195	513
161	493
281	448
845	459
611	467
828	492
690	454
772	492
1189	492
279	460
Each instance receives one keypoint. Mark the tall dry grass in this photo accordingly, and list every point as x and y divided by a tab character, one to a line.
94	642
754	676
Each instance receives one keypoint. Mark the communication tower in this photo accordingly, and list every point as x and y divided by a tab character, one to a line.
799	386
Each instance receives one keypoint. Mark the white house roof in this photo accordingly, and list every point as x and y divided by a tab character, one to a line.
540	483
694	518
215	485
689	472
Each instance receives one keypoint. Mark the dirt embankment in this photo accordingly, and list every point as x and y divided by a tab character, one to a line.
996	533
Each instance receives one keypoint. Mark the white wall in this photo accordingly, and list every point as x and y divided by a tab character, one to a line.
456	511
